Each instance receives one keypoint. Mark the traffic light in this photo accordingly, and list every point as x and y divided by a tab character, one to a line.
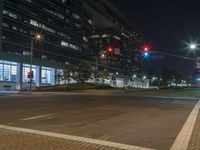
30	75
109	50
146	54
146	50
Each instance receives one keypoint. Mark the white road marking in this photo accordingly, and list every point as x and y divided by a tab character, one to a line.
183	138
176	97
75	138
37	117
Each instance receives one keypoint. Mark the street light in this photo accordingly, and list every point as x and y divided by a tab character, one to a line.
36	37
103	56
193	46
144	77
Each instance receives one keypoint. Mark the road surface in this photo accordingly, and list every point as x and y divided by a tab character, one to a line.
151	120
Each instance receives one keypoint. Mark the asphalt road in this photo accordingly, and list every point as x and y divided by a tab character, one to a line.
146	119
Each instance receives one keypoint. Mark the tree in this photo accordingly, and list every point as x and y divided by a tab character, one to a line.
58	77
151	73
177	77
104	75
69	72
171	76
84	72
165	76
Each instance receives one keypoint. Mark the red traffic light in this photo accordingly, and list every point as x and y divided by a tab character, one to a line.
30	75
110	49
146	48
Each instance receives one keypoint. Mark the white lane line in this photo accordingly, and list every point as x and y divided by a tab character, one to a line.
183	138
37	117
176	97
75	138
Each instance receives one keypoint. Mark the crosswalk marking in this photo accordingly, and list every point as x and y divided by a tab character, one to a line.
76	138
183	138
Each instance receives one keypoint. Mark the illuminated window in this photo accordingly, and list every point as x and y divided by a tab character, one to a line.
40	25
74	47
76	16
85	39
55	13
90	21
26	70
35	23
46	75
7	13
63	43
6	25
8	71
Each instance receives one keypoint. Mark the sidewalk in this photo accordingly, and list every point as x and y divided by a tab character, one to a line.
8	92
13	140
194	143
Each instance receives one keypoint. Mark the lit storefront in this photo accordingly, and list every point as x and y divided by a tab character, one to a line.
15	75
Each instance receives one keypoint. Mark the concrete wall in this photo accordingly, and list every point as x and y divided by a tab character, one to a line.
139	84
12	86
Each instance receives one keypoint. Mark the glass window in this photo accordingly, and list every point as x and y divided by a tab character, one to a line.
46	75
74	47
42	26
5	24
26	70
7	13
76	16
63	43
8	71
55	13
1	72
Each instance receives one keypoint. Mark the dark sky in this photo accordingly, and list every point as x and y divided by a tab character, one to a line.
165	24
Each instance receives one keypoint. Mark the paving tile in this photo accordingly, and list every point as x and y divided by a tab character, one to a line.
194	143
13	140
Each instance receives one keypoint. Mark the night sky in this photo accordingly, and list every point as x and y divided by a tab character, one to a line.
166	25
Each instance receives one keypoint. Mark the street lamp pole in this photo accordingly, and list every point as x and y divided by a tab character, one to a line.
31	62
37	37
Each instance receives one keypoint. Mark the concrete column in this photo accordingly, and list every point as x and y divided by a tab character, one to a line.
38	75
53	73
19	76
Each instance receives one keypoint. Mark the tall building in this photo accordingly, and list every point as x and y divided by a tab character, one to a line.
63	26
114	42
118	49
68	29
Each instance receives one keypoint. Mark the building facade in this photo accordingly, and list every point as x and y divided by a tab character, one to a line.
114	42
68	29
64	28
119	49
